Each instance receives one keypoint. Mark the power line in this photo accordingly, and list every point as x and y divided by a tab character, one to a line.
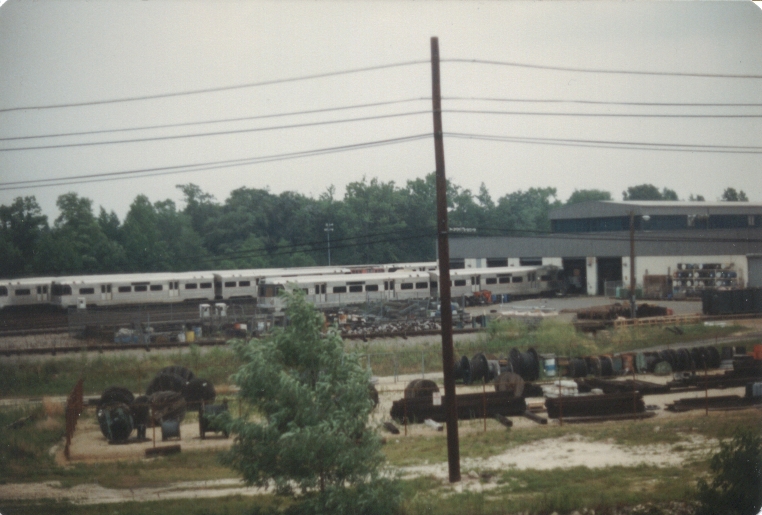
223	120
610	115
625	145
605	102
215	89
213	165
516	64
218	133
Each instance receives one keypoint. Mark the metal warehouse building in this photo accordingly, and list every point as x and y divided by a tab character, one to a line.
683	246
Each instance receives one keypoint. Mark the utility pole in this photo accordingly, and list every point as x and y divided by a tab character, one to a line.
451	410
633	309
328	231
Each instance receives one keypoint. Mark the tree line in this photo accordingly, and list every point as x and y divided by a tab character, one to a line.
374	222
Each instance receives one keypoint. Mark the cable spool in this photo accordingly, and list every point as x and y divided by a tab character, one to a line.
577	368
712	357
115	421
167	406
166	382
652	358
641	363
178	371
607	366
669	357
479	368
114	394
421	389
593	365
699	356
494	369
526	364
199	390
462	370
510	382
618	364
684	360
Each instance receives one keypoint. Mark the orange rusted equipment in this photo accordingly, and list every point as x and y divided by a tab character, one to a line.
482	297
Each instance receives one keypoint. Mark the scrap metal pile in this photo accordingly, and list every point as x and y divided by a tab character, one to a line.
391	318
169	395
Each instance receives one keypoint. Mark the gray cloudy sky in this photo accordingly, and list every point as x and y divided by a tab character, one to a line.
73	52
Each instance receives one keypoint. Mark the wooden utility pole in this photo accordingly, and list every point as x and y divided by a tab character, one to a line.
451	410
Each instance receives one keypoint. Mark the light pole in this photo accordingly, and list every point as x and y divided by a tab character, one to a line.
633	308
328	230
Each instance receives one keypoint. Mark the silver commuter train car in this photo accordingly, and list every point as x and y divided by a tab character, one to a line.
25	292
122	289
337	290
237	284
521	281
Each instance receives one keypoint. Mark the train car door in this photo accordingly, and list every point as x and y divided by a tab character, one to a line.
320	290
42	293
476	283
106	292
389	292
174	289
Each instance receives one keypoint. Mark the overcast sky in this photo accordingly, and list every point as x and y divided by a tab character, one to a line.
81	52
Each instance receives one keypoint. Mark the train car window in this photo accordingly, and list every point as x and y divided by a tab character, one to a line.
230	284
191	286
545	278
23	291
141	287
39	290
492	280
339	289
61	290
460	282
421	286
371	287
355	288
157	287
125	289
244	283
518	279
505	280
86	291
205	285
406	286
3	291
306	291
434	284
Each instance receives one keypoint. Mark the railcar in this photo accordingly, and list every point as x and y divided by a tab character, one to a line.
238	284
337	290
25	292
125	289
524	281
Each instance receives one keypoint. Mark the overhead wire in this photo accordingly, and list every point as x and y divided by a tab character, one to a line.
602	102
223	120
613	144
216	89
603	115
517	64
213	165
217	133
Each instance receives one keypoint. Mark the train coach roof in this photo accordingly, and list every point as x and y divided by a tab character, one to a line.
282	272
371	276
27	281
460	272
133	278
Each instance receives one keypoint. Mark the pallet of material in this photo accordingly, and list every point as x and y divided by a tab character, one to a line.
713	403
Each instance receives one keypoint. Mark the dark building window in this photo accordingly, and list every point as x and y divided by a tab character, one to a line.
530	261
496	262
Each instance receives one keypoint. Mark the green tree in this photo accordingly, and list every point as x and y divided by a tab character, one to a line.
736	488
526	210
648	192
696	198
22	224
731	195
588	196
311	435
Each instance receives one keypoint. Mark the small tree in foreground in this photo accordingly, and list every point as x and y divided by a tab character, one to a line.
737	485
309	434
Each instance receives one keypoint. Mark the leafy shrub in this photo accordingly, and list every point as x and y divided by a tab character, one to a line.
736	488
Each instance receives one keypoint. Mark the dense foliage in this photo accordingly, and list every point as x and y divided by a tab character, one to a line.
374	222
309	432
736	488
